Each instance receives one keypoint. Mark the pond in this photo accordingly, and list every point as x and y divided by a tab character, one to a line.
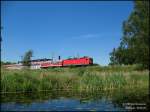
61	100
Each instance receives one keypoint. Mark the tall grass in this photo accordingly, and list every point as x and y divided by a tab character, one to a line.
78	79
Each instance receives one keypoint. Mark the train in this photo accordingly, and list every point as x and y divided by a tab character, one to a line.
83	61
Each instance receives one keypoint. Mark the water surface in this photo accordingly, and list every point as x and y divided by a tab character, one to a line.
60	100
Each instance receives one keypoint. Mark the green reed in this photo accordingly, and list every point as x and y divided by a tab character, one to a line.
78	79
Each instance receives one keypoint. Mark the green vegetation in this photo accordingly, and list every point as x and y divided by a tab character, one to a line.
27	57
7	63
77	79
134	46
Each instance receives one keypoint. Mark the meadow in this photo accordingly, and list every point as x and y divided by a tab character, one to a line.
81	79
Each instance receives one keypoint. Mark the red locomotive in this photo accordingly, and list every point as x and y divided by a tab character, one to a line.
69	62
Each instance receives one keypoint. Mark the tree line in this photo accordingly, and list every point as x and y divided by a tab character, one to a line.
25	60
134	45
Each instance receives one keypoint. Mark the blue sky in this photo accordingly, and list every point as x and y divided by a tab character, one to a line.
62	28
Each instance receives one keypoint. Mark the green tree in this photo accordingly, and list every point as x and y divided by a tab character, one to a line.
27	58
134	46
113	57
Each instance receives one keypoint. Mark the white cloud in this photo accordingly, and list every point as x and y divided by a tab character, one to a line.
87	36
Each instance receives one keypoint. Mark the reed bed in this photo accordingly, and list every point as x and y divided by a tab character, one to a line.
77	79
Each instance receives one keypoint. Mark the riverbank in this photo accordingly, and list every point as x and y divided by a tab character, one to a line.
78	79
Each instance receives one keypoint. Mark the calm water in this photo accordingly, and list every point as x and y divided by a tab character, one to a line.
117	100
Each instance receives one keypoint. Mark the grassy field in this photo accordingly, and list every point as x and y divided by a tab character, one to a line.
79	79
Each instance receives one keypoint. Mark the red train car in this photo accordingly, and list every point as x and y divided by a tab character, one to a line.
69	62
78	61
51	64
